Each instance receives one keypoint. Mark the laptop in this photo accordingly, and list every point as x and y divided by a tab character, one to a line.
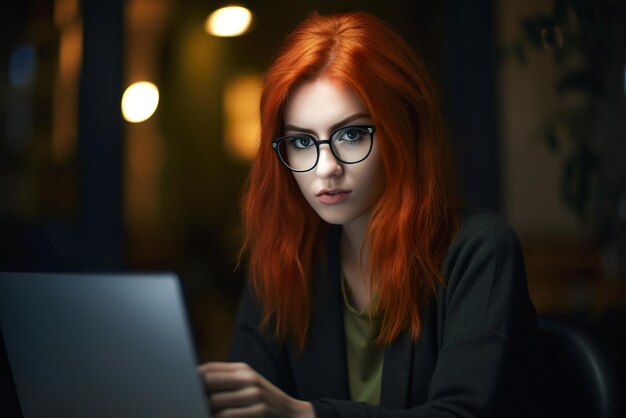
97	345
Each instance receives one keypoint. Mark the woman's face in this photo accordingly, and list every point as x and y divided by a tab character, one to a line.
339	193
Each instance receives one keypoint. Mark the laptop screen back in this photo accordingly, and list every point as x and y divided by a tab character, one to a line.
99	346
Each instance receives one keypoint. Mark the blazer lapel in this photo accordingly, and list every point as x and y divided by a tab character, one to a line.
320	369
397	366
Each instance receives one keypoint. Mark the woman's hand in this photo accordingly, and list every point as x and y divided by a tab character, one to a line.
236	390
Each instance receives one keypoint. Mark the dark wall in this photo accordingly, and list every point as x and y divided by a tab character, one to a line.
470	100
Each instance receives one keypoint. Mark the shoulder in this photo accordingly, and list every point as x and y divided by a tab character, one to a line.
481	223
485	279
484	239
480	228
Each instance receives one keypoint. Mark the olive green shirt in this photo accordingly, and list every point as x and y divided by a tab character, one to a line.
365	359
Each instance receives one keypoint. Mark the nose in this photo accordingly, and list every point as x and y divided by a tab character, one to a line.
327	165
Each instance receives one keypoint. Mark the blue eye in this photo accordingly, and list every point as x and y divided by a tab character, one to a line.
351	135
301	142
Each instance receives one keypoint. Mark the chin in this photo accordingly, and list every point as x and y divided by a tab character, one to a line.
331	218
334	216
333	221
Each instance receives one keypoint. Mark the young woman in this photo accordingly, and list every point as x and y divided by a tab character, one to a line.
370	293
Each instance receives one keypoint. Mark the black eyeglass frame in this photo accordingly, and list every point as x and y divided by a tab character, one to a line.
371	129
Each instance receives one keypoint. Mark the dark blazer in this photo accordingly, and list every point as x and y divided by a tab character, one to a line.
471	359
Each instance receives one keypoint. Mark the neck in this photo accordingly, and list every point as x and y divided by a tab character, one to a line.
352	240
355	263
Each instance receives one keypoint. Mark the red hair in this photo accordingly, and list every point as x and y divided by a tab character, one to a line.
416	217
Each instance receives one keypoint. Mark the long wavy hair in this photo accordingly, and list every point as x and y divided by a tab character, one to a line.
416	217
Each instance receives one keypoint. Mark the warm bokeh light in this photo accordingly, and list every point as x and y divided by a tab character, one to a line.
140	101
229	21
241	110
64	121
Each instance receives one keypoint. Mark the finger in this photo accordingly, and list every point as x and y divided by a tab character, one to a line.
220	381
216	366
215	372
235	398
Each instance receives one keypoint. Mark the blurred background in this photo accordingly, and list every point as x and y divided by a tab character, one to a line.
127	127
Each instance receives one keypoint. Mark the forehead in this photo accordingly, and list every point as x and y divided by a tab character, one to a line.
321	103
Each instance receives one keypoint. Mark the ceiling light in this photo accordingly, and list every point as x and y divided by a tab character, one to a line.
228	21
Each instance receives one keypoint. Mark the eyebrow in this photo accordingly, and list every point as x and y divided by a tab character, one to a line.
336	126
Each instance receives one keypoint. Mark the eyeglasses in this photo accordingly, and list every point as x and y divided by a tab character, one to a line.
350	145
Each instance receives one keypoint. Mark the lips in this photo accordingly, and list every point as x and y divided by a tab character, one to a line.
332	196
